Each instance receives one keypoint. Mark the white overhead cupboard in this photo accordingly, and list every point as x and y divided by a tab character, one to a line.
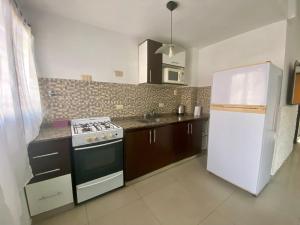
242	127
177	60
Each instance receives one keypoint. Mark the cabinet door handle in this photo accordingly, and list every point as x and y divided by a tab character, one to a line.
96	146
99	182
191	128
150	74
46	172
50	196
45	155
188	131
154	136
150	137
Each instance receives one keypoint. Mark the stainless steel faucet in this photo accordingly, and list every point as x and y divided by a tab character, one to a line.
151	115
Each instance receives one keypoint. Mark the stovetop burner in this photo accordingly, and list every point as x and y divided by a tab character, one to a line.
92	125
86	129
94	130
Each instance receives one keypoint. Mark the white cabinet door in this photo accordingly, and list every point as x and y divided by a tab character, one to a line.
241	86
49	194
143	62
176	60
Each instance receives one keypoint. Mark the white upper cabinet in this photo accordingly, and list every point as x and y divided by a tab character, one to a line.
176	60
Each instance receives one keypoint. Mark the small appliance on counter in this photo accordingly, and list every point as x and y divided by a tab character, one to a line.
197	110
97	157
180	110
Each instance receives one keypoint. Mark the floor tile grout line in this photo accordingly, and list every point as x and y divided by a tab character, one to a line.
86	214
175	180
149	193
117	208
138	193
218	206
151	212
140	197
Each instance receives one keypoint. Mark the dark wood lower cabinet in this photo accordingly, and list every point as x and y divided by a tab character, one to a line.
163	146
50	159
181	140
187	139
139	153
195	137
147	150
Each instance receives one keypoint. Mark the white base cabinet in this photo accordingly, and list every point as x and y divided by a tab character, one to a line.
49	194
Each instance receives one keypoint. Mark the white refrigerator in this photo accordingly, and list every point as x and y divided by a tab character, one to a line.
242	127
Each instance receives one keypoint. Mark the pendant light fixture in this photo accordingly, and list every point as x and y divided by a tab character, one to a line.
170	49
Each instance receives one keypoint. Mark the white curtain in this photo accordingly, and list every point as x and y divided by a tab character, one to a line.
20	113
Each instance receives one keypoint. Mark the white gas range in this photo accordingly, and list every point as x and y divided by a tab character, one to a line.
93	130
97	157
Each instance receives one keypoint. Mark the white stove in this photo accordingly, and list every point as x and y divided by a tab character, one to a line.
93	130
97	157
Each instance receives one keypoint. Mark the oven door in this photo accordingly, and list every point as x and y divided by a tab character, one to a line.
97	160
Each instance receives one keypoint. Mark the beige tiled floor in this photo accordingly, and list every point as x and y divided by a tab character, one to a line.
188	195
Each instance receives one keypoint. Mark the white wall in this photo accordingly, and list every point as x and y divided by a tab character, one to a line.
288	114
191	69
263	44
67	49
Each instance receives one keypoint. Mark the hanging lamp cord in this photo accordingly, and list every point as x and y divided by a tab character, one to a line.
171	27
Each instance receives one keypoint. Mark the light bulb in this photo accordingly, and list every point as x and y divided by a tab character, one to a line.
171	53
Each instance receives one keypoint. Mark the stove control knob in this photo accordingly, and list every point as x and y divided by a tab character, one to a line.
89	139
109	135
96	139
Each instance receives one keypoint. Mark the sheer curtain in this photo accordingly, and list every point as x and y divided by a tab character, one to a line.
20	113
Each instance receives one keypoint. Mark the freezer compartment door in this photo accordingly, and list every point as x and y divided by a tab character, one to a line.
241	86
234	147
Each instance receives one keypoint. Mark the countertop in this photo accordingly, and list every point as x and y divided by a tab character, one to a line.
127	123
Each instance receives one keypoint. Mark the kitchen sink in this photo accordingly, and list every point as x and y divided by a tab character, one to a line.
150	120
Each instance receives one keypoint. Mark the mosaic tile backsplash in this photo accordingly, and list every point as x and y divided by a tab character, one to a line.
68	99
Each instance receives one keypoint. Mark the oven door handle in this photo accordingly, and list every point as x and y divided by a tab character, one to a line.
99	182
96	146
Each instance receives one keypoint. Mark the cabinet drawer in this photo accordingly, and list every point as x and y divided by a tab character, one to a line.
38	149
50	166
50	194
49	159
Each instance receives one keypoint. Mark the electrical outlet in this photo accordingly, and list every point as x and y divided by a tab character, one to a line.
119	73
86	77
161	105
119	107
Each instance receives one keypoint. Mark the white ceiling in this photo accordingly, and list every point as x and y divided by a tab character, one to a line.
196	22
